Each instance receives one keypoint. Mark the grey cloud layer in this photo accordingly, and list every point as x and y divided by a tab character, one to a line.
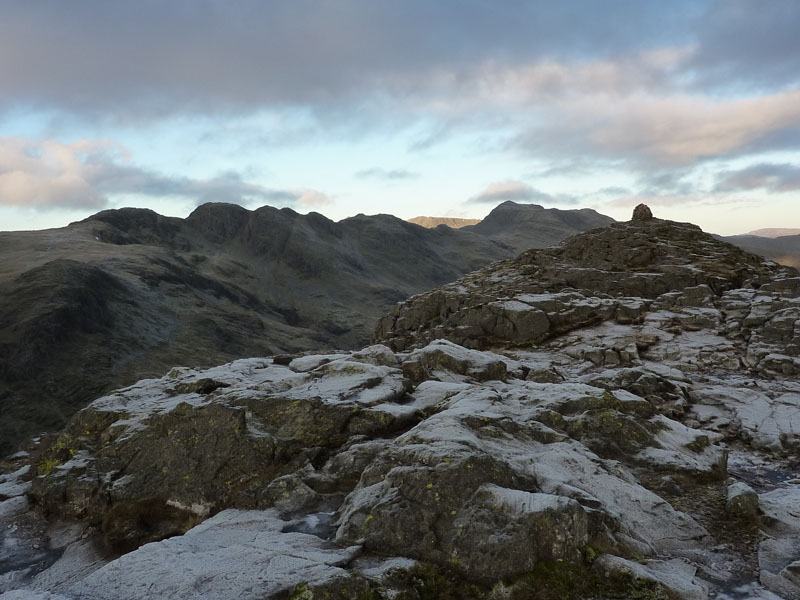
773	177
84	174
518	191
155	57
388	174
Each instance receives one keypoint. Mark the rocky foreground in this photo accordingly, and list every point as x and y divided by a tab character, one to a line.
616	417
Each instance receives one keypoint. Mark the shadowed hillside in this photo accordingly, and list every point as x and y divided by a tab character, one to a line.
128	293
784	249
513	224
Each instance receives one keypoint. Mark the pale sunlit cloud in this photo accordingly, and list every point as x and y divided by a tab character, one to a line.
674	200
518	191
665	130
48	174
311	199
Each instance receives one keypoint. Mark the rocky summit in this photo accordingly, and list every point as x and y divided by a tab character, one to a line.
614	417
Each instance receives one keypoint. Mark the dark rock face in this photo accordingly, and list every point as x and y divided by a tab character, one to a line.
642	213
127	293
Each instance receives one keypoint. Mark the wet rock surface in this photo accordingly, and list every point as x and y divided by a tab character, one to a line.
616	417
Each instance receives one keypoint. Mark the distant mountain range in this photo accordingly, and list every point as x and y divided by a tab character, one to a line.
452	222
535	227
523	226
783	249
773	232
128	293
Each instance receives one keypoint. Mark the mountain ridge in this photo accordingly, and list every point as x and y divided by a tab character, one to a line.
773	232
224	283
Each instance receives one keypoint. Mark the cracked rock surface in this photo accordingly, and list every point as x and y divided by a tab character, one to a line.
615	417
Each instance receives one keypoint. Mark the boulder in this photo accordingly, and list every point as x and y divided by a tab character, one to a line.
742	501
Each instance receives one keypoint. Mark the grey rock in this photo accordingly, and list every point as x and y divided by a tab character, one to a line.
674	576
289	495
603	274
235	554
642	212
497	522
742	500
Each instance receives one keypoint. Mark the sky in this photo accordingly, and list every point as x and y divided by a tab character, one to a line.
407	107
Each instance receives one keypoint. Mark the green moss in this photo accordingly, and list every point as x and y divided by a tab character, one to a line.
301	592
353	587
559	580
425	581
63	449
47	465
590	554
698	444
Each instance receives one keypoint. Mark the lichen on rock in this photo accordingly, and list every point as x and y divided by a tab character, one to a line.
613	417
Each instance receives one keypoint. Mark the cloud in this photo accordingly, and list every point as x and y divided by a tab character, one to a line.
662	182
311	198
697	199
668	130
641	84
518	191
746	44
49	174
86	173
782	177
389	174
613	190
210	56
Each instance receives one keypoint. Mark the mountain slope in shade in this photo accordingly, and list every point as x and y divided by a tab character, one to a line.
127	294
524	226
784	249
453	222
773	232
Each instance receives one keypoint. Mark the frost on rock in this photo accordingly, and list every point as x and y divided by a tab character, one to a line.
236	554
617	414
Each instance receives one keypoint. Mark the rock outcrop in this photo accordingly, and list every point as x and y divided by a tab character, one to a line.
617	417
617	273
